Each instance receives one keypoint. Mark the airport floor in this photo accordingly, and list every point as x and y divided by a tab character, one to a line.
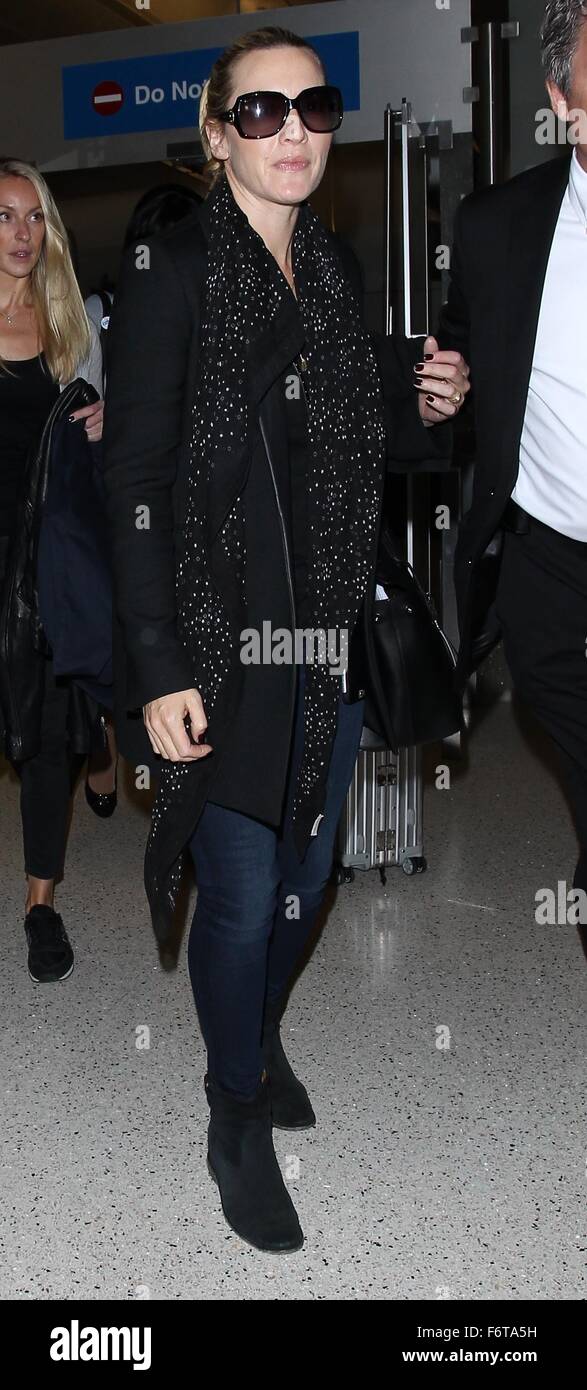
445	1164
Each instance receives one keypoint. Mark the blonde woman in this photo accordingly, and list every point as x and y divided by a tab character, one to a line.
45	342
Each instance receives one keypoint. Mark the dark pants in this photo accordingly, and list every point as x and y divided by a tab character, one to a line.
46	780
542	605
45	786
257	904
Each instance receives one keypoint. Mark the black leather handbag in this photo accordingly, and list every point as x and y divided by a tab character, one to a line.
401	660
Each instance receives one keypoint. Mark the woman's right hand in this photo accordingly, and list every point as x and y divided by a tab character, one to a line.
164	722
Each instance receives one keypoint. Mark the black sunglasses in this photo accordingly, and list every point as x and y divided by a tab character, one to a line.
256	115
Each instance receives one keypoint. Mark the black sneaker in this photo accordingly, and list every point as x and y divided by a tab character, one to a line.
50	954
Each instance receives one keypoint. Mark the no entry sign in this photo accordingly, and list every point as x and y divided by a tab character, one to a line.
107	98
162	91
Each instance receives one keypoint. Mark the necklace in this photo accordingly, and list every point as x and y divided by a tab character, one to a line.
10	317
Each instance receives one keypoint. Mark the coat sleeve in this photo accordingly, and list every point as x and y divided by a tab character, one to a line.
409	443
91	369
454	322
148	345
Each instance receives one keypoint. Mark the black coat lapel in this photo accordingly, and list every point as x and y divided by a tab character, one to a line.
532	229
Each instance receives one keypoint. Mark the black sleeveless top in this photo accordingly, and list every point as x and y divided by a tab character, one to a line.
27	394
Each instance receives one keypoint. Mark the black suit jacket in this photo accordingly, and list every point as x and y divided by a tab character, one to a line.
502	241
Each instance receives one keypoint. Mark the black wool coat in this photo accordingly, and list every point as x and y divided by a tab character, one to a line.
152	361
502	241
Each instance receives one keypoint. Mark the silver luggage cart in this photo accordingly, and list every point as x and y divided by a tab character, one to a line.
381	824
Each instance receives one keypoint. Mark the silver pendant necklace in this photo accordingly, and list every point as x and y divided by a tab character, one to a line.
10	317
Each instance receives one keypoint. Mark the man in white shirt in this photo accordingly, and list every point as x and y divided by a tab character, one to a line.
517	310
552	480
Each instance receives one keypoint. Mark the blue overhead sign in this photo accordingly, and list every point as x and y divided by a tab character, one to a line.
162	92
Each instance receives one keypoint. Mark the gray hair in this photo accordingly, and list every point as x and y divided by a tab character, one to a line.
559	35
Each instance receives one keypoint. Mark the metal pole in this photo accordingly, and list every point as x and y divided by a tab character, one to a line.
406	116
491	83
389	125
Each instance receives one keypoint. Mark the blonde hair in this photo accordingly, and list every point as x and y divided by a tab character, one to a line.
64	330
216	92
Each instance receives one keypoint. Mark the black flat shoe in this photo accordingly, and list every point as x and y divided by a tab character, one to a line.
103	804
50	955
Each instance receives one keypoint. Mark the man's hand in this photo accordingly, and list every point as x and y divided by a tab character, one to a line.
441	379
93	416
164	722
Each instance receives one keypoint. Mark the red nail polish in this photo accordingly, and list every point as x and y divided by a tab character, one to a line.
431	400
428	356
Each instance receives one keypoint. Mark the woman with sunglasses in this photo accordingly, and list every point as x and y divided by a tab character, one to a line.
246	420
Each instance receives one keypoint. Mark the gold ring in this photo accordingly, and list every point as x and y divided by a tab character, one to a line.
456	399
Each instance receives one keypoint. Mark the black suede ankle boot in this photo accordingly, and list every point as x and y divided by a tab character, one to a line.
242	1160
290	1103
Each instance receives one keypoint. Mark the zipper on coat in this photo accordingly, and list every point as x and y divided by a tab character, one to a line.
285	553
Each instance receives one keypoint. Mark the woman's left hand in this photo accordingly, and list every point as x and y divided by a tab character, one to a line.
443	383
94	417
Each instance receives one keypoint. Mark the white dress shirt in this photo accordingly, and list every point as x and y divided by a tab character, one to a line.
552	481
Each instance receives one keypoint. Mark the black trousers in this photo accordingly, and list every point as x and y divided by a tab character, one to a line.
46	783
542	606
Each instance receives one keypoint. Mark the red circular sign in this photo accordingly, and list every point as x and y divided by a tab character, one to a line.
107	98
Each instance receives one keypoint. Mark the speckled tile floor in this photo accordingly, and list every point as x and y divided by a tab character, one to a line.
446	1164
